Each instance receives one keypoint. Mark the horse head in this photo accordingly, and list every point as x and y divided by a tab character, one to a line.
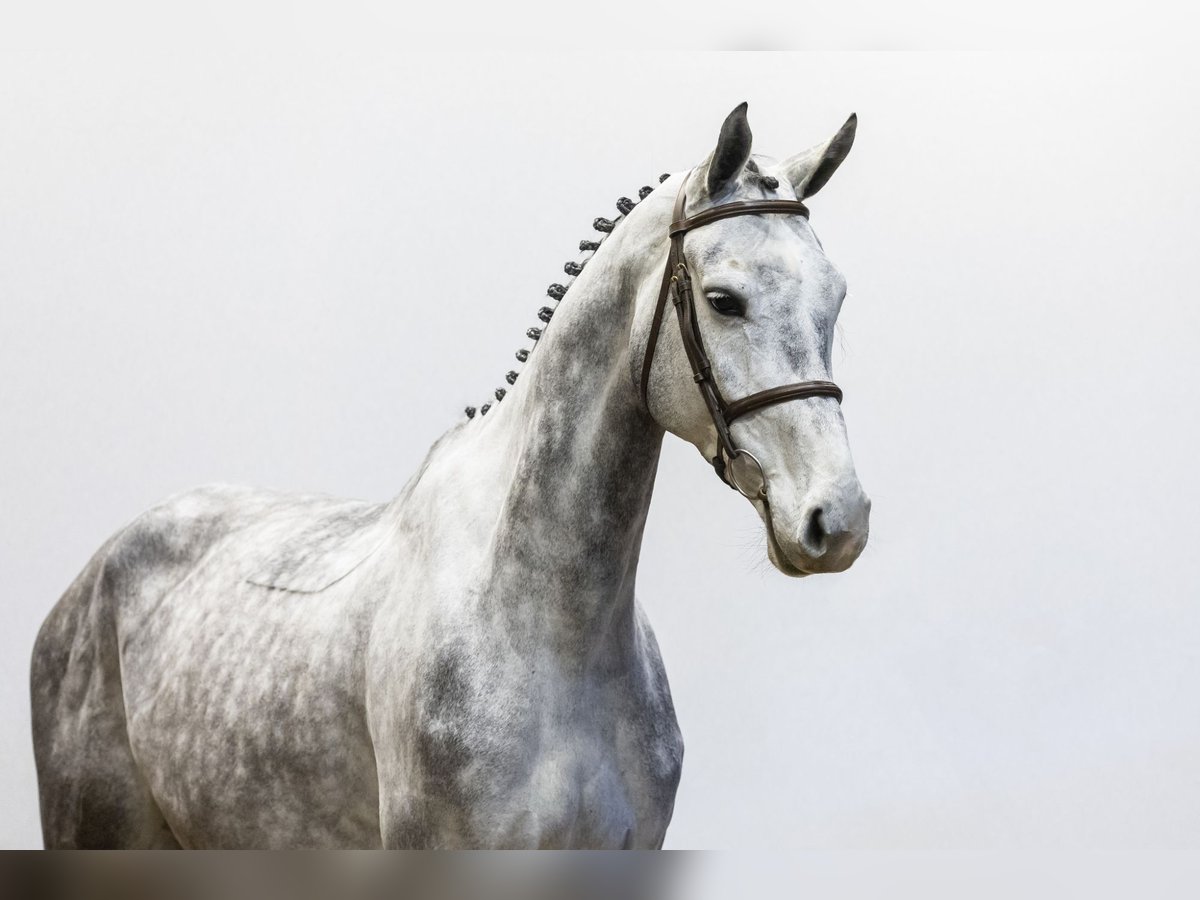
757	301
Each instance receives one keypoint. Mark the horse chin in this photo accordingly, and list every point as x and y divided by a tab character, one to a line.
782	563
775	553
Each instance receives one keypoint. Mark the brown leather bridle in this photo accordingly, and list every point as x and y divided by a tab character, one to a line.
677	283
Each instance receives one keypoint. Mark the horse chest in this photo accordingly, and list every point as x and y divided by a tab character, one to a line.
544	760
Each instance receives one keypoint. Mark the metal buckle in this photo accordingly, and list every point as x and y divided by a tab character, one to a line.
745	473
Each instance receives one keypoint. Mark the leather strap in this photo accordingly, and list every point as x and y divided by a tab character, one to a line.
737	208
674	257
655	327
739	408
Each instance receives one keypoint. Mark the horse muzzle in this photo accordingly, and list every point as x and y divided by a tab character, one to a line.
824	533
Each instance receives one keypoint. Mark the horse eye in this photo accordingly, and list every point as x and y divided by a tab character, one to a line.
725	304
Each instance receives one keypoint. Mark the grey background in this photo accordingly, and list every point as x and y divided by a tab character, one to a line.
295	270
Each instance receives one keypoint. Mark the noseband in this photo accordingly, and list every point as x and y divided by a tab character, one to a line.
736	466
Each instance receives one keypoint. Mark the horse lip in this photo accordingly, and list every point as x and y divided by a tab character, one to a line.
786	565
780	560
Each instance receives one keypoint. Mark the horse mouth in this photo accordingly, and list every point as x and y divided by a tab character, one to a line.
775	551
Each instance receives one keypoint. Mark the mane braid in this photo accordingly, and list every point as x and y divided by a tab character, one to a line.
558	292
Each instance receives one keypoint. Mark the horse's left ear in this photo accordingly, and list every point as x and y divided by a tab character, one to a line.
808	171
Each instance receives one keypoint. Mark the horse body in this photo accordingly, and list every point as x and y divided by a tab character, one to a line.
466	666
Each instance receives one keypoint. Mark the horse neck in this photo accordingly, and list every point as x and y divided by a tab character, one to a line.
577	451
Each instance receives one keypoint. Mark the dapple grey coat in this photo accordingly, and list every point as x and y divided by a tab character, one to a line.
465	666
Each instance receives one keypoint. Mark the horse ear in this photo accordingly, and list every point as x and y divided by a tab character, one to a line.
733	150
808	171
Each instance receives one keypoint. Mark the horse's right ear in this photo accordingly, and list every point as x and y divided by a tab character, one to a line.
808	171
732	153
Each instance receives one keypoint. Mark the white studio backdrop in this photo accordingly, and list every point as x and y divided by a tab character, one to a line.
295	270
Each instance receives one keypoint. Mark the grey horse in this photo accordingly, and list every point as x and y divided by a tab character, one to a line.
466	665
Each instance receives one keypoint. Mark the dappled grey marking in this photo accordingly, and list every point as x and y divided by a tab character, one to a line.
309	553
465	665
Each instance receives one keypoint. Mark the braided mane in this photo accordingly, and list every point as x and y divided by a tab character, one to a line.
558	292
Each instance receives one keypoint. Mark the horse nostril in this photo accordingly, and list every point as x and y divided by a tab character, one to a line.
814	533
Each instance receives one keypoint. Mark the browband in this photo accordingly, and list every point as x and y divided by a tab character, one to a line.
738	208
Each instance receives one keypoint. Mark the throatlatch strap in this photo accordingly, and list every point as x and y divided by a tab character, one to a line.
655	326
674	257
